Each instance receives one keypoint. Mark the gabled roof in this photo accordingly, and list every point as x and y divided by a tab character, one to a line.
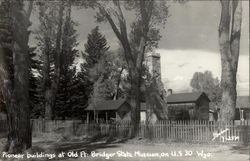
243	102
185	97
106	105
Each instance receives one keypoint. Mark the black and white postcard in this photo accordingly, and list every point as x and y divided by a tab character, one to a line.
127	80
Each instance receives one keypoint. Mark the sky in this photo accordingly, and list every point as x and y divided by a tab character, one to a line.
189	42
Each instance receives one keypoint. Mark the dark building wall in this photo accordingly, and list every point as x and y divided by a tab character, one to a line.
190	111
203	109
182	111
246	113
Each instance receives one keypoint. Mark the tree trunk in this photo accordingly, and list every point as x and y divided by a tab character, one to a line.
133	58
116	96
16	91
51	91
156	107
48	104
229	40
135	104
150	121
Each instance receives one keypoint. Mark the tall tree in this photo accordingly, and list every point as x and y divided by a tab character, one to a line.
2	102
14	50
45	36
95	48
149	14
49	35
50	94
229	41
35	97
65	102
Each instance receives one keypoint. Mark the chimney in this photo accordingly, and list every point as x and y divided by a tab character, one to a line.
153	61
170	91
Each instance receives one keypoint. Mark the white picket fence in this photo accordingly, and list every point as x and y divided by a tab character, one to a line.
188	131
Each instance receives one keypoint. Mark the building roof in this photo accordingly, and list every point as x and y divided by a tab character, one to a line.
111	105
106	105
185	97
243	102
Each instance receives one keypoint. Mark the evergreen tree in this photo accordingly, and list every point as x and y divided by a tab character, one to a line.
35	97
65	102
95	48
46	36
57	43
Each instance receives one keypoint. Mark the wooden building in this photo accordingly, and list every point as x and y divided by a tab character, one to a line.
107	110
188	106
182	106
242	110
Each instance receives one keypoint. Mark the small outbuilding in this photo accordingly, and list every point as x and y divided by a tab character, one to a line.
188	106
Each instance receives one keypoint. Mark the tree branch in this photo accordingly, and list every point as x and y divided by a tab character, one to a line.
123	30
236	32
29	8
121	35
146	15
111	22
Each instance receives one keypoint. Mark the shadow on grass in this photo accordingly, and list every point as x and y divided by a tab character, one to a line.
86	145
3	135
241	149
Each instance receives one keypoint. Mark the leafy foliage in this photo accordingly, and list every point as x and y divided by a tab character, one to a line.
110	75
149	16
205	82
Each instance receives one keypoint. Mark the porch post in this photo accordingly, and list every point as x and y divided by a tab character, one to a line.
97	116
106	117
116	116
87	117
